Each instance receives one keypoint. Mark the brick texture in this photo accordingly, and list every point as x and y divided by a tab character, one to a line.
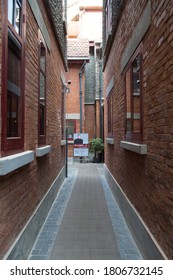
22	190
97	106
146	180
90	120
0	67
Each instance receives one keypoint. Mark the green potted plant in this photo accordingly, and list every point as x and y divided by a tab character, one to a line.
96	147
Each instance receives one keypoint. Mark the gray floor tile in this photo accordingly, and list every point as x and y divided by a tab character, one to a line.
88	216
85	221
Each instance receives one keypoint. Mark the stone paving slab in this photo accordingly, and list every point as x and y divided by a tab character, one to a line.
86	231
52	223
85	221
126	244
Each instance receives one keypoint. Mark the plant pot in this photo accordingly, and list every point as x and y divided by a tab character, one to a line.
96	159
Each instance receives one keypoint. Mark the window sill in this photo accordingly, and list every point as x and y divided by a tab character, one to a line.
43	150
110	141
137	148
63	142
13	162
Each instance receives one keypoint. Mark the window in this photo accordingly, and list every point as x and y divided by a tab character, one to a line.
134	100
110	114
108	18
13	88
42	94
15	14
71	126
13	77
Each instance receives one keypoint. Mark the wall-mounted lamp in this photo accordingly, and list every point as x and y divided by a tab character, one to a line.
67	90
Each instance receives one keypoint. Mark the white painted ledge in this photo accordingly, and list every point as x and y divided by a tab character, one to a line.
13	162
70	141
63	142
110	141
43	150
137	148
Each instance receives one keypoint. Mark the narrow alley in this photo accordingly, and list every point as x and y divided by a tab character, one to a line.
91	81
85	221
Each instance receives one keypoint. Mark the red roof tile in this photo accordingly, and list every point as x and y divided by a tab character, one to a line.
78	48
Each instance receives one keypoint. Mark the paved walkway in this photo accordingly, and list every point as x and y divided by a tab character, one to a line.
85	221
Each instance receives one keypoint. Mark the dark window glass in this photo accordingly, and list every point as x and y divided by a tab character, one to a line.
13	71
42	95
42	118
108	18
133	100
110	113
42	86
14	90
71	125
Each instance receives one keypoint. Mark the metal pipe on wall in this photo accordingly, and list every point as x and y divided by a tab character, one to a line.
100	98
80	93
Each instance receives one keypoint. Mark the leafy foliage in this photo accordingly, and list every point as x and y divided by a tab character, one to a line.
96	145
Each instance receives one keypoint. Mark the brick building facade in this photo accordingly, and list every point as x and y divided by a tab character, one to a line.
32	97
138	88
87	40
78	56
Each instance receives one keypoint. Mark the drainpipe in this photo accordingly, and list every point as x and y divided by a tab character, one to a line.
80	93
100	98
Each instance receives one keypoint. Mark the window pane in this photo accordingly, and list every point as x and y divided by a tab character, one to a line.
42	86
13	115
136	77
110	113
129	125
136	105
14	90
42	94
128	102
70	125
42	58
10	11
133	100
136	126
108	18
136	94
42	117
42	70
18	18
70	132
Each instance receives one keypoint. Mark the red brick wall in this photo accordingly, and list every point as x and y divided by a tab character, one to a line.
70	150
90	120
146	180
97	118
0	65
23	189
73	99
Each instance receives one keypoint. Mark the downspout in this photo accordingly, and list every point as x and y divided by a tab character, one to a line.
80	93
100	99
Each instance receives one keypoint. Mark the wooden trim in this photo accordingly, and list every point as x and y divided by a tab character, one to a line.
110	99
74	123
12	142
42	138
134	136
